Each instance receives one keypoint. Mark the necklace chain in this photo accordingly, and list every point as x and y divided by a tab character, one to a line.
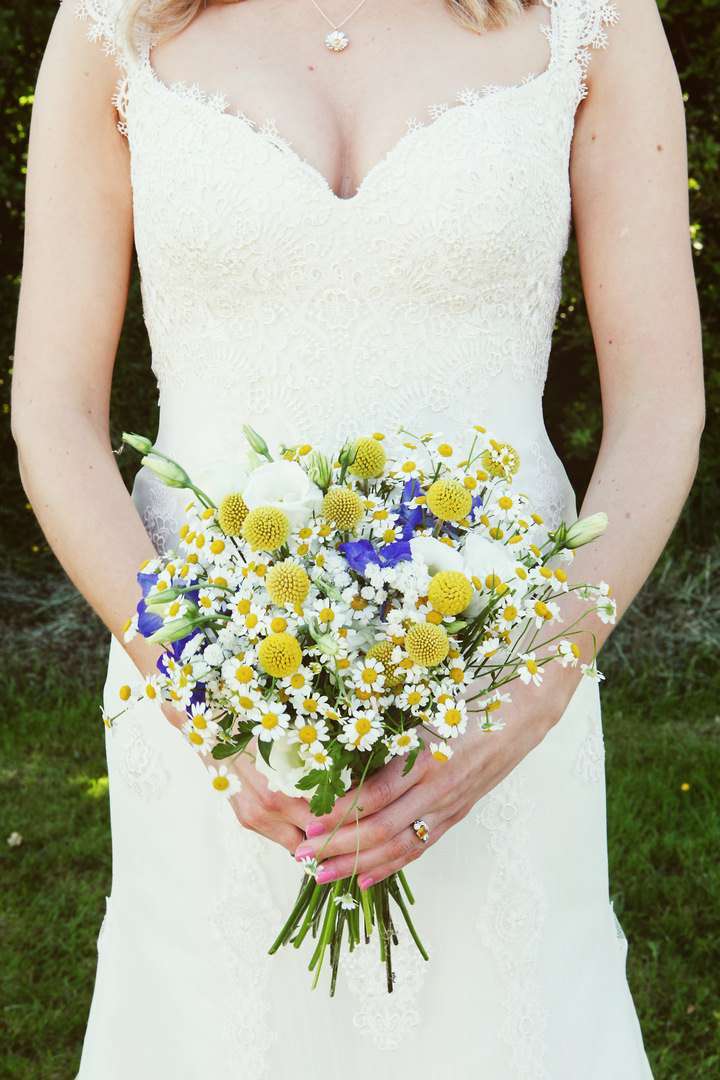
336	26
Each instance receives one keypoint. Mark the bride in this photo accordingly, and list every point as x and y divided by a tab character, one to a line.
347	216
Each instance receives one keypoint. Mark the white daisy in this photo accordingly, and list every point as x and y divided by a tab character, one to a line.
441	751
272	721
223	781
403	742
590	671
308	730
451	719
530	670
360	731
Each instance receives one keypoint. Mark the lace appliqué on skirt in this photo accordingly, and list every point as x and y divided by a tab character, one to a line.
386	1019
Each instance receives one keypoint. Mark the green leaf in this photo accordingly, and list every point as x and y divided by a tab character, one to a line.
265	749
412	757
224	750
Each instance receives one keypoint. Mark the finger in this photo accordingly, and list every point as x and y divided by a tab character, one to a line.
402	844
379	828
377	873
251	815
382	788
274	802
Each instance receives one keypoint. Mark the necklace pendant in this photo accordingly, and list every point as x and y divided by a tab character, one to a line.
337	40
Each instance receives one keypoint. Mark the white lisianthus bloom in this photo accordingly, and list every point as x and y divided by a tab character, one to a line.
585	530
224	477
287	766
435	555
286	485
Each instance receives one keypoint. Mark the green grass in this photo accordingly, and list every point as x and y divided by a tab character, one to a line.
663	849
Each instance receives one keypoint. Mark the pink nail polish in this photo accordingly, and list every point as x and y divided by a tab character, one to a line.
325	875
365	882
305	851
315	828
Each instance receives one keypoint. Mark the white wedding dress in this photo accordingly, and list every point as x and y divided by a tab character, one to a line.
427	298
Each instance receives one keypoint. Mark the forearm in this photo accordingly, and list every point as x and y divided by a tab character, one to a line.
70	475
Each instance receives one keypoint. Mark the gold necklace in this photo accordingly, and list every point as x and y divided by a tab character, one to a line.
337	39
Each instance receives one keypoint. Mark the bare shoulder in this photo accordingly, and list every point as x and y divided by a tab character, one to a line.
636	63
77	67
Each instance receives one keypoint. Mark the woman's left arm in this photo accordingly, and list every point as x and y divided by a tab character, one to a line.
629	182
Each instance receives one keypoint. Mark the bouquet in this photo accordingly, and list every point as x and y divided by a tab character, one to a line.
328	614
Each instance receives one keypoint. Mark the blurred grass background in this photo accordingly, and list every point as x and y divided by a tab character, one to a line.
661	702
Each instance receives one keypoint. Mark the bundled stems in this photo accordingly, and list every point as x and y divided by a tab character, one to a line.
319	910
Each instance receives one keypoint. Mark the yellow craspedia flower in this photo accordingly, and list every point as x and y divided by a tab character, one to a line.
343	507
450	592
449	500
280	655
288	584
266	528
370	459
382	651
502	460
426	644
232	513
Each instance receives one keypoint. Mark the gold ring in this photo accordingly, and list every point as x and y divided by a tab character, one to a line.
421	830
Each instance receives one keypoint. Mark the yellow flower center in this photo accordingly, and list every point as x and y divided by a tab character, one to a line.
221	783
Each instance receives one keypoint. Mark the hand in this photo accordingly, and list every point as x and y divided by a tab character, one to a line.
269	813
439	793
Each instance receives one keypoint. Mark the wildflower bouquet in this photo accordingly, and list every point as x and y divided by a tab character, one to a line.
335	613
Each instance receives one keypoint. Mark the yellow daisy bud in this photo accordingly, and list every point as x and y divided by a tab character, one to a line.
450	592
231	514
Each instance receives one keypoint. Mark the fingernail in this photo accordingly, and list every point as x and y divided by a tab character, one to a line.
325	875
305	851
315	828
365	882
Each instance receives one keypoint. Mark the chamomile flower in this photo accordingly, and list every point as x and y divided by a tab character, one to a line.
130	629
414	698
209	601
310	866
202	739
606	610
176	609
530	671
330	614
318	757
369	675
346	902
223	781
361	731
542	612
308	730
441	751
272	722
239	672
311	705
299	684
568	653
403	742
450	719
590	671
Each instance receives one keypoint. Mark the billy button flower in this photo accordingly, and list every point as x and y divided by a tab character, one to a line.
426	644
343	507
232	513
369	460
449	500
450	592
288	584
382	651
280	655
266	528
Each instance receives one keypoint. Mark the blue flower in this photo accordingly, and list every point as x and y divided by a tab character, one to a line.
148	623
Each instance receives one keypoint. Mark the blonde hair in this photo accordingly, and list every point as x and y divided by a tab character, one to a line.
167	17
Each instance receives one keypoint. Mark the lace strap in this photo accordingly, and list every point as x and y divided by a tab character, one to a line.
106	26
581	28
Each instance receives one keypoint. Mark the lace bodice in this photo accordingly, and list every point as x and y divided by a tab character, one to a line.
428	298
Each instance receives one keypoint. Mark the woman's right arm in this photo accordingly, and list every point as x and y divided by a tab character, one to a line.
75	276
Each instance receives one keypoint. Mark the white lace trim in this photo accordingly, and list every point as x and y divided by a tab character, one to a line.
387	1020
511	922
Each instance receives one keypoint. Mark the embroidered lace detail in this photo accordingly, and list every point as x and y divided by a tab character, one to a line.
161	514
590	759
584	30
386	1019
141	767
511	921
103	28
244	923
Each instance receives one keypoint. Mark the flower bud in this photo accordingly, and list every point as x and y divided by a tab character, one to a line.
320	470
176	629
346	457
171	474
138	442
585	530
256	442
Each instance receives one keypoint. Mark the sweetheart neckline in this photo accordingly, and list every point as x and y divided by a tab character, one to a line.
465	98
